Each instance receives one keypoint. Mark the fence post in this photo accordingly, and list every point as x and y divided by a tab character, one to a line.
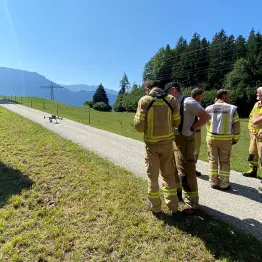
89	115
57	109
11	98
15	98
21	101
31	102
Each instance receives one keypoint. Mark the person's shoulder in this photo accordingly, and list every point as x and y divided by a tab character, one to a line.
145	99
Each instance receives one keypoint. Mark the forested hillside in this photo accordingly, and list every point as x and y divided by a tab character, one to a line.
225	62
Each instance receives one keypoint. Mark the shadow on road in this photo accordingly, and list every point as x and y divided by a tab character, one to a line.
237	189
12	182
6	102
220	238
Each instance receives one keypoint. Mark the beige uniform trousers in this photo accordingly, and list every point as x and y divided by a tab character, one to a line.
197	143
159	157
219	152
253	151
184	159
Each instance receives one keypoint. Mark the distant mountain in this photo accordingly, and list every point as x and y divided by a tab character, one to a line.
83	87
23	83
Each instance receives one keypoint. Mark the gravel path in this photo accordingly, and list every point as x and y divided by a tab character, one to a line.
241	207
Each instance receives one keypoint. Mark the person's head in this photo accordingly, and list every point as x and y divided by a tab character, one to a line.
197	94
149	85
223	94
173	89
259	93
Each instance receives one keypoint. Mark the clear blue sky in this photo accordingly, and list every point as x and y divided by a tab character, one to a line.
93	41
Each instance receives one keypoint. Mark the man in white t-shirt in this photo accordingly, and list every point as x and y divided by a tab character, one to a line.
193	117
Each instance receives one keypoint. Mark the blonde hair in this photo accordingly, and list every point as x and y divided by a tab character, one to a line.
259	89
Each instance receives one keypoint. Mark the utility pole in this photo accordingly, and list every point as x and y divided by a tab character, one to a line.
51	87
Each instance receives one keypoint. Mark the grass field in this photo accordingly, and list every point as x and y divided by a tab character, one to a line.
60	202
122	123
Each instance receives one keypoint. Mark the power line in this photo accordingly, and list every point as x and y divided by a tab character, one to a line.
51	87
170	68
197	50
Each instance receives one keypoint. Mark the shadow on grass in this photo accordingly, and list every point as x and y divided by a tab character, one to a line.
237	189
12	182
221	239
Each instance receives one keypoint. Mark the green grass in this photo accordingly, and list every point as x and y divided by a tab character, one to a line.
122	123
60	202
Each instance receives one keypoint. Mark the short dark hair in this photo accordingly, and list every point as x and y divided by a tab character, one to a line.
154	83
197	91
221	92
173	85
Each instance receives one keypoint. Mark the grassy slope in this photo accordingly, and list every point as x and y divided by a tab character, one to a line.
60	202
122	123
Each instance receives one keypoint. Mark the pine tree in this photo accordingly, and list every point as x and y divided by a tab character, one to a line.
124	85
100	95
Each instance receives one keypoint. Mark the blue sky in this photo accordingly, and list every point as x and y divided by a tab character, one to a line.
96	41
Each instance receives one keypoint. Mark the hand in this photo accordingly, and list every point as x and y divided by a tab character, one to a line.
260	132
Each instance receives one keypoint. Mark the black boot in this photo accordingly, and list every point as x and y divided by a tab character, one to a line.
251	173
198	173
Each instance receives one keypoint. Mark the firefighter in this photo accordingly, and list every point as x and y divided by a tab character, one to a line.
193	117
197	94
157	115
257	122
223	131
253	130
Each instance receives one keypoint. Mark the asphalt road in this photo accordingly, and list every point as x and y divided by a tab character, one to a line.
241	207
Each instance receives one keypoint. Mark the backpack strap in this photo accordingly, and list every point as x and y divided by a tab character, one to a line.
163	97
180	127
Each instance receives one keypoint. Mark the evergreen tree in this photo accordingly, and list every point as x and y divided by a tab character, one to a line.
100	95
240	48
221	59
124	85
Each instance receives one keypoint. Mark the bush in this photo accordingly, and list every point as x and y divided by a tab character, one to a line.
89	103
101	106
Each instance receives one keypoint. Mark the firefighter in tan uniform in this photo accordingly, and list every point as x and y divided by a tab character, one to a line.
223	131
193	117
253	130
197	94
157	115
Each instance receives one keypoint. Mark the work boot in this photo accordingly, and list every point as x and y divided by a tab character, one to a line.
198	173
251	173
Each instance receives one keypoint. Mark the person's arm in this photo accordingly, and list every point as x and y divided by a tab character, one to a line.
257	121
176	114
139	121
203	117
235	128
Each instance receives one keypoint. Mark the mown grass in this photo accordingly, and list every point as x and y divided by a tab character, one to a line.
122	123
60	202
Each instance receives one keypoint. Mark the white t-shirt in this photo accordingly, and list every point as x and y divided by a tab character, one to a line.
191	110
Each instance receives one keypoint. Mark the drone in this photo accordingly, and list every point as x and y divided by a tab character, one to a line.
53	117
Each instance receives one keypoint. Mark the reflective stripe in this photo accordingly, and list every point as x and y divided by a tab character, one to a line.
236	119
213	171
219	137
190	194
140	116
154	195
176	116
158	138
224	173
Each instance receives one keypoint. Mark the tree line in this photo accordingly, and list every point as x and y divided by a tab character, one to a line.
225	62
